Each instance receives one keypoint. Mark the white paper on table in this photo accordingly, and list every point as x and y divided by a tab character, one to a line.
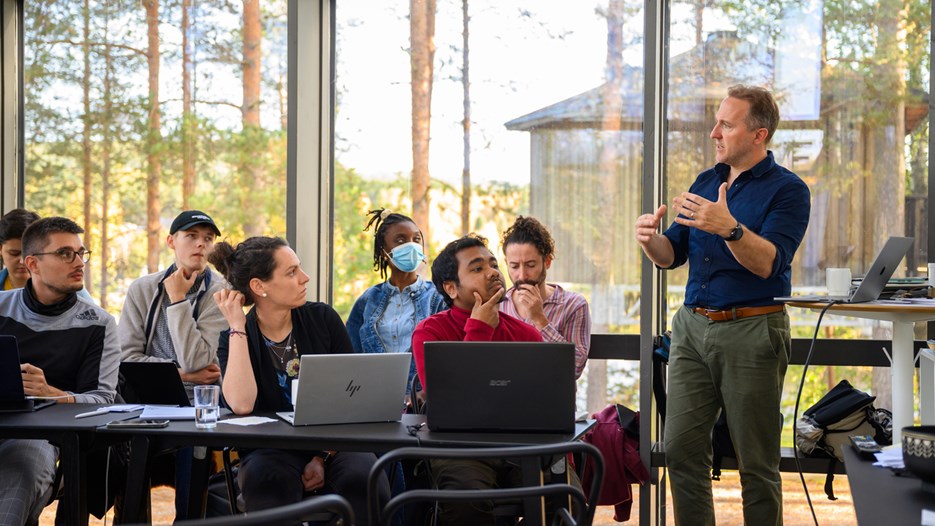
891	457
167	412
928	518
247	420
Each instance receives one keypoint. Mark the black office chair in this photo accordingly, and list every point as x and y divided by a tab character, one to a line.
583	512
417	401
300	511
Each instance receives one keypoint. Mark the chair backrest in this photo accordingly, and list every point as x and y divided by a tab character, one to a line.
416	396
584	513
335	504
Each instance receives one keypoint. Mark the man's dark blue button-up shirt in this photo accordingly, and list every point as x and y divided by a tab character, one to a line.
769	200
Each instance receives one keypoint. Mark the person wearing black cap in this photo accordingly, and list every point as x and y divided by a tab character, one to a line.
170	316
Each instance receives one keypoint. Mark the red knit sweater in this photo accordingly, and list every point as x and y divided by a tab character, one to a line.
456	325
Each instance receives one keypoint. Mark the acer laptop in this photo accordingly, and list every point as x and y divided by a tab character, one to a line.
500	386
874	282
152	383
350	389
12	395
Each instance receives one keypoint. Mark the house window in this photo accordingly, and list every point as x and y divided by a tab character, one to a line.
854	126
137	110
555	132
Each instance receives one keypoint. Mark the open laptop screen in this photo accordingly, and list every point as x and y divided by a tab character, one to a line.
12	395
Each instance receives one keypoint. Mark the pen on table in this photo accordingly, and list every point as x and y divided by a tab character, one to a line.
101	411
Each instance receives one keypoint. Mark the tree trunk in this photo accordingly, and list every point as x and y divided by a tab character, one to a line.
699	22
252	171
282	89
612	104
106	148
188	121
153	138
466	124
421	59
887	163
86	164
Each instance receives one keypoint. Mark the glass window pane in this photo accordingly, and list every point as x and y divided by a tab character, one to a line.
852	84
555	132
128	122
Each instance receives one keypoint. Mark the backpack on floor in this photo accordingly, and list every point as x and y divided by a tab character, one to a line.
825	428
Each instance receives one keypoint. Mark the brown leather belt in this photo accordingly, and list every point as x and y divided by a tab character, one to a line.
737	312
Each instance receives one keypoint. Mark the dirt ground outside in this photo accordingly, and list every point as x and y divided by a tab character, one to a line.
726	494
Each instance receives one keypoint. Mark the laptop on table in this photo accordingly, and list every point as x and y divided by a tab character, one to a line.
13	397
350	389
153	383
882	269
500	386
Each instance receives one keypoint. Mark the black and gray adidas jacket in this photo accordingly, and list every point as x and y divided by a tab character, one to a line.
74	342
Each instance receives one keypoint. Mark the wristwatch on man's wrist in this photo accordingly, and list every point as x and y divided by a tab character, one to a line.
735	234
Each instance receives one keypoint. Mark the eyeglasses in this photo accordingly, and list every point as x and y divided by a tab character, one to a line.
68	255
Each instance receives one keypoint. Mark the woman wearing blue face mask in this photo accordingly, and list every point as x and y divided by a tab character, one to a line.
384	317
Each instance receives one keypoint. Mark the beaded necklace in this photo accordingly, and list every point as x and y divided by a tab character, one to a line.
285	353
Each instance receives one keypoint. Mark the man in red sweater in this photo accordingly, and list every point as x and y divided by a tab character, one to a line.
467	275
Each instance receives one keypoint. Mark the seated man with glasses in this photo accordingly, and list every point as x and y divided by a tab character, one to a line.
14	273
69	351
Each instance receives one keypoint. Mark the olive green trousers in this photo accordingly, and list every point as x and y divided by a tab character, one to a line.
738	367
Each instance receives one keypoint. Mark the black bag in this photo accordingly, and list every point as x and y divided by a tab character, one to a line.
825	428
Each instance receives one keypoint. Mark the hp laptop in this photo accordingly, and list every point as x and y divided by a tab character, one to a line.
350	389
875	281
500	386
152	383
12	396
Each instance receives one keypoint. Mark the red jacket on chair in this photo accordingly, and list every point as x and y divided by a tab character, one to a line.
623	466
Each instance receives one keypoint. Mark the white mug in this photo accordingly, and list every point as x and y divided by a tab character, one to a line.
838	281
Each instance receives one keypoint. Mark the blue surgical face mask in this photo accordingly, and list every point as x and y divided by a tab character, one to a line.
406	257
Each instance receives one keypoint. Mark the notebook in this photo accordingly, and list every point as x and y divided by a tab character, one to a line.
875	281
500	386
12	395
153	383
350	389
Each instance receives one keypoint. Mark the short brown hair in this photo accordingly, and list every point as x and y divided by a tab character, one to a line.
764	112
36	235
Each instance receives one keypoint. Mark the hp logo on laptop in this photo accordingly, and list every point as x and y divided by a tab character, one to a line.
351	388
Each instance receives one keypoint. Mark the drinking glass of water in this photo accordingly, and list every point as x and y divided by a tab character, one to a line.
207	398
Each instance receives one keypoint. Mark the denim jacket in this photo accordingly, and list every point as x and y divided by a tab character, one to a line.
370	306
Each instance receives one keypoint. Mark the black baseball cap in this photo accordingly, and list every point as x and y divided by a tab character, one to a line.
190	218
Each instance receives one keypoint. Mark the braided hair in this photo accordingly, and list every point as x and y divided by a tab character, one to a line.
380	220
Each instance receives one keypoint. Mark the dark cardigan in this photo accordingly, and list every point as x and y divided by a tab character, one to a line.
317	329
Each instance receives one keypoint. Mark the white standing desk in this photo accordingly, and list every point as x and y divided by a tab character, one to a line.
902	316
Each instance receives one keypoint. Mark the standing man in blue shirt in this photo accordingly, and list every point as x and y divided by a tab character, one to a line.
738	227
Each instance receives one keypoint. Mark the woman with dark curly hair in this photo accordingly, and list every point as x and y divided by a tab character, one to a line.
259	357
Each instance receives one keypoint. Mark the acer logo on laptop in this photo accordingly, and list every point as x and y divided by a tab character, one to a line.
351	388
500	383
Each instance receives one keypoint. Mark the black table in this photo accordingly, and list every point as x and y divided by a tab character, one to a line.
75	439
372	437
880	497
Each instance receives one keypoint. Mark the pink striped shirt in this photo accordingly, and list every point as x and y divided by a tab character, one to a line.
569	321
